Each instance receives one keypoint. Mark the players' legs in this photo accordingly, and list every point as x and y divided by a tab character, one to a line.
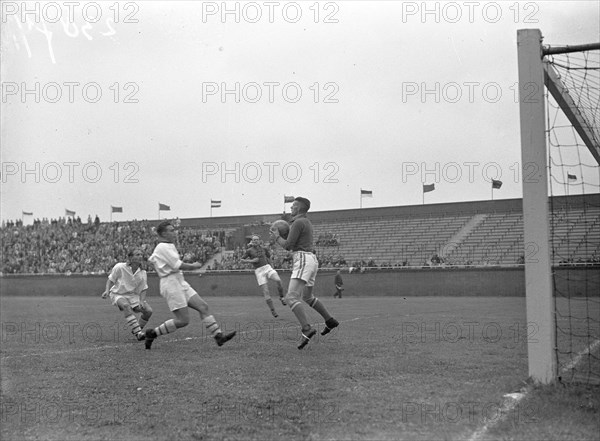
123	304
182	319
275	277
315	303
146	313
196	302
292	298
264	289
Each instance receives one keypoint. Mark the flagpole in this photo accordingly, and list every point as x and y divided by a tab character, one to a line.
111	214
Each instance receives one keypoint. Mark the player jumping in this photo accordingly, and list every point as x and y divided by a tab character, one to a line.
304	270
259	255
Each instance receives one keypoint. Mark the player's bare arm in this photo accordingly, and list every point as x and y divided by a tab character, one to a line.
109	285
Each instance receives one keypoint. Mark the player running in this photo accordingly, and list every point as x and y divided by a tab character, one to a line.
259	255
304	270
176	291
126	285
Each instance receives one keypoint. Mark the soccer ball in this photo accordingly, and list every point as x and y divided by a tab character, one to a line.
283	227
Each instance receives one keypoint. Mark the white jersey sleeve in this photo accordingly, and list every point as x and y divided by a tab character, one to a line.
115	273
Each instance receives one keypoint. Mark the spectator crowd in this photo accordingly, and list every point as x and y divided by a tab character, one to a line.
67	245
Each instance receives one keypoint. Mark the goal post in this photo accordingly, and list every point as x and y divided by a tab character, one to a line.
559	107
536	225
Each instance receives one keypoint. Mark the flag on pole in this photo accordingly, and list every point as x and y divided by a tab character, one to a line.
496	184
116	209
69	213
215	204
428	187
288	199
28	213
163	207
571	177
366	193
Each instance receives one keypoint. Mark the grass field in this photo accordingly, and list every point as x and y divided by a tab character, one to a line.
397	368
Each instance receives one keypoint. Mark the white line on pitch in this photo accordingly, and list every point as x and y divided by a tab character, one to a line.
94	348
511	400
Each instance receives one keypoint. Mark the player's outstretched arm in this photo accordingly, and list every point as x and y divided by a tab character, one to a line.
190	266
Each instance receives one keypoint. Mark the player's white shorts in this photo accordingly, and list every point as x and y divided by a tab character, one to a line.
305	267
264	273
176	291
132	299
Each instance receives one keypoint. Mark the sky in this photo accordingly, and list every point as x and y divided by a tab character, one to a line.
132	104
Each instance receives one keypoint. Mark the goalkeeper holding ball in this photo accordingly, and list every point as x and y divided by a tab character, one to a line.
304	270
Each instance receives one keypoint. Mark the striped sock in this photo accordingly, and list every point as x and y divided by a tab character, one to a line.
133	324
142	321
211	324
318	306
166	328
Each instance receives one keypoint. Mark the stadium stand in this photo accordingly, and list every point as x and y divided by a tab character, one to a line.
66	246
438	235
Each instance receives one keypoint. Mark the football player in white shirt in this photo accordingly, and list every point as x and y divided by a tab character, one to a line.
126	286
176	291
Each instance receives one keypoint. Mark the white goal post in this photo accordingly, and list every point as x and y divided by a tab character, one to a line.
535	75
